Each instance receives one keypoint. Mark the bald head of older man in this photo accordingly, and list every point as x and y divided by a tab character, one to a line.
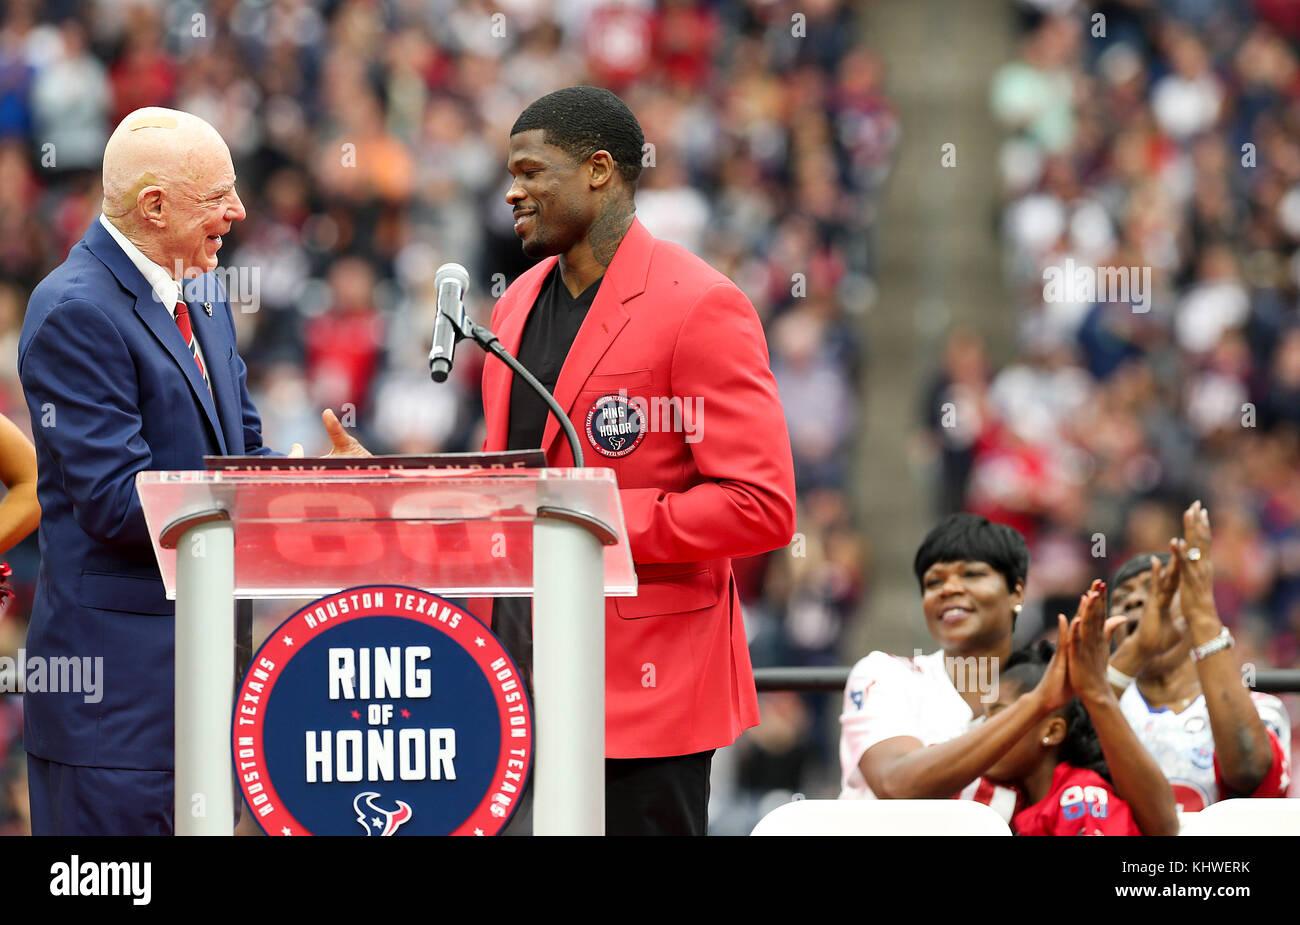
169	187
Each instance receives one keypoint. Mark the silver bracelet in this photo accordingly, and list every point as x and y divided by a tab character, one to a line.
1118	678
1220	642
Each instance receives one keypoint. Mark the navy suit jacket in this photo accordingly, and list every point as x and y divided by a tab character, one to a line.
113	390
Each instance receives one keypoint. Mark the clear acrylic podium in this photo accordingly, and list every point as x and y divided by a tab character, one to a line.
555	534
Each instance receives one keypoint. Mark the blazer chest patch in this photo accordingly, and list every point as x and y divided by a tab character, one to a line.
616	424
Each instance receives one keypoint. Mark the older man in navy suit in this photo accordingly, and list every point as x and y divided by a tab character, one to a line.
128	365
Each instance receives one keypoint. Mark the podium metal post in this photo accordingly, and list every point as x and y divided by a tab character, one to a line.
569	674
205	673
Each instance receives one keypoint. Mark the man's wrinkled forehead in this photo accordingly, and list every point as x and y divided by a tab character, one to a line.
207	174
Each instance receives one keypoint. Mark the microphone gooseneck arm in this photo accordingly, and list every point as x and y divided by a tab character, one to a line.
488	341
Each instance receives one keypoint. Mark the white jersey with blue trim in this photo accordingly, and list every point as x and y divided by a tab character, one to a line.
1183	744
888	696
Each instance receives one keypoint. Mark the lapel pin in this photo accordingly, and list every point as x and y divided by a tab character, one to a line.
207	307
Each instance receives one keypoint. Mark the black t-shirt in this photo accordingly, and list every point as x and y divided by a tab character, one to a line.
548	334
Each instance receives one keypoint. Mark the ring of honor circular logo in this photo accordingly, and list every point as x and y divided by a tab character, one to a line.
382	710
616	425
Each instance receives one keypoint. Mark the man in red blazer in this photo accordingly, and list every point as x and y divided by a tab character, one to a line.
661	363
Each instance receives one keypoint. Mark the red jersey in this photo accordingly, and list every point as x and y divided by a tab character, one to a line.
1080	803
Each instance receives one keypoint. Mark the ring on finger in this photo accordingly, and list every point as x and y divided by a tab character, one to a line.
1194	554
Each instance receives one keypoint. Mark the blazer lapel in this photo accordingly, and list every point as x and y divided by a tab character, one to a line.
157	317
498	378
624	279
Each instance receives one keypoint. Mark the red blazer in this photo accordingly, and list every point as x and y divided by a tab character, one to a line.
698	488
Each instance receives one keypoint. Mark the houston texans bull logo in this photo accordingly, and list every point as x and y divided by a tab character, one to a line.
378	821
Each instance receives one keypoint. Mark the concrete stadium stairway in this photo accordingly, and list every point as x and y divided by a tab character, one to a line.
938	263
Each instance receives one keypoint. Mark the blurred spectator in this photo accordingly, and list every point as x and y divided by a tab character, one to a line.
953	416
74	126
1035	94
344	342
144	73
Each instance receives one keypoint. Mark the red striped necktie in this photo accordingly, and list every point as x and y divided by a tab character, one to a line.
187	332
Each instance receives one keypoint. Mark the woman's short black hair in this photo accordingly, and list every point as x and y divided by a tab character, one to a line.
1080	748
583	120
1136	566
971	538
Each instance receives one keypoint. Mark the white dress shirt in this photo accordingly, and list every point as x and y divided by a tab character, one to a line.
165	289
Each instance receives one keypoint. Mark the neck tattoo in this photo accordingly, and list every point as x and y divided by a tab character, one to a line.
608	229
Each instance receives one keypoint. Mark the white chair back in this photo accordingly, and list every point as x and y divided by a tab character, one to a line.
1245	817
882	817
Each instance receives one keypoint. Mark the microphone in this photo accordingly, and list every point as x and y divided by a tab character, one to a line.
451	281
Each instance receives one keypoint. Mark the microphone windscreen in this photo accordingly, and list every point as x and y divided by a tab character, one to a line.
451	271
